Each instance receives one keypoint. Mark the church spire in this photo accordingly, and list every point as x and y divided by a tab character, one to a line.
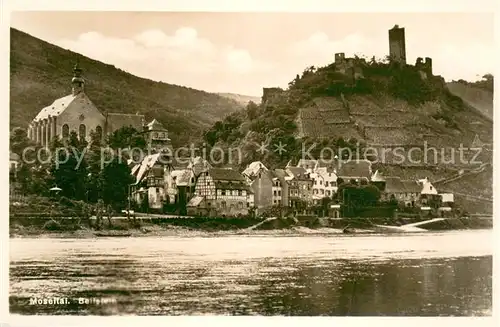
77	82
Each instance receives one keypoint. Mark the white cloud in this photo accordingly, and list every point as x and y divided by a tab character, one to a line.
182	58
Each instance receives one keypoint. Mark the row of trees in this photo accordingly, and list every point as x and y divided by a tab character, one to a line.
83	171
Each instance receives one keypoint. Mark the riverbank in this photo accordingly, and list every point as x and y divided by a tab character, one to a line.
212	227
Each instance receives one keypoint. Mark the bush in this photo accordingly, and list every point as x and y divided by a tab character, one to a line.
52	225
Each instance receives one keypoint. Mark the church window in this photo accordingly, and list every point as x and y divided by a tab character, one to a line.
65	130
98	130
82	131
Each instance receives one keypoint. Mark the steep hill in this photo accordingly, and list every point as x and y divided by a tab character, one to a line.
240	98
477	97
385	109
41	72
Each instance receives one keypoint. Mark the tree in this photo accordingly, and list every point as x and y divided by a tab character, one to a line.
251	110
370	195
126	137
115	179
19	140
69	170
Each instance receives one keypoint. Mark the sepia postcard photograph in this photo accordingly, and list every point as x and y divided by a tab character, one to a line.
186	163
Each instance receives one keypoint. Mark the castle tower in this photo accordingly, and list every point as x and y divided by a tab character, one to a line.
397	46
77	82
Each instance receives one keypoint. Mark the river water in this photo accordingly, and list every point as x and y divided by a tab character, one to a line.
430	274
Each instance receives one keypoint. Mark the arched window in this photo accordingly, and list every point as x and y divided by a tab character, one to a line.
82	131
98	130
65	130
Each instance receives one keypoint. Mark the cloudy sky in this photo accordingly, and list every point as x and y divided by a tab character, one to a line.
243	52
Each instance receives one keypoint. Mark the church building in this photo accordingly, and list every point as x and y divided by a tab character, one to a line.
76	112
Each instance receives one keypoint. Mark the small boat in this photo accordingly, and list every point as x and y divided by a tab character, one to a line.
99	234
348	230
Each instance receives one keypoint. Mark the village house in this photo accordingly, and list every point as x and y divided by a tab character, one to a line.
262	186
359	171
153	180
406	192
324	182
270	188
300	187
428	195
76	112
220	192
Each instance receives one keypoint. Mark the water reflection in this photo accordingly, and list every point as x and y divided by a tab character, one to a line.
150	278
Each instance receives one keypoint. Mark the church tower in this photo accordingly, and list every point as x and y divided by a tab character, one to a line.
77	82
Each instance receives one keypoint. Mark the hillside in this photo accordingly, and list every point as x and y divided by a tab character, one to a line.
388	107
477	97
242	99
41	72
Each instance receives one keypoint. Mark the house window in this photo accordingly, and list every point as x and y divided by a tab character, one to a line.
240	192
320	182
279	193
235	192
223	192
244	193
275	193
248	204
157	190
209	204
219	192
223	204
240	205
65	130
328	192
322	191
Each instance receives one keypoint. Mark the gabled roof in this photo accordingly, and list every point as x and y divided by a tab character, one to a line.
221	174
307	164
155	125
324	172
377	177
199	165
141	169
253	168
298	173
394	185
412	186
56	108
194	202
116	121
355	169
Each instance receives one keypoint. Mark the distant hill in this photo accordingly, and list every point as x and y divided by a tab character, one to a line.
478	97
41	72
242	99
